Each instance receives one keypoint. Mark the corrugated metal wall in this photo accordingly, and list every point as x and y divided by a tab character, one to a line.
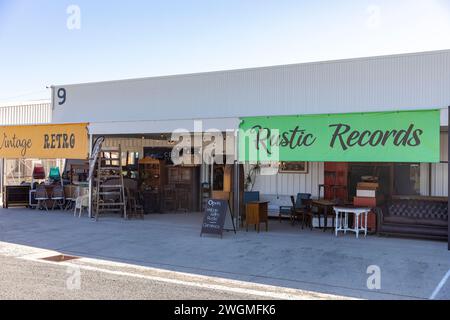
134	144
138	144
25	114
36	112
439	184
439	171
290	184
391	83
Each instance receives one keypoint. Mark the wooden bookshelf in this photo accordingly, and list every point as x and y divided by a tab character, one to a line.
152	174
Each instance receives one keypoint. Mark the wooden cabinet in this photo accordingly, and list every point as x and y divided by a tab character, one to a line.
186	174
371	217
180	175
152	179
186	183
336	180
16	196
152	174
257	213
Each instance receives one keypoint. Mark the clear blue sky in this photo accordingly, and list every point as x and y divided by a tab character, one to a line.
127	39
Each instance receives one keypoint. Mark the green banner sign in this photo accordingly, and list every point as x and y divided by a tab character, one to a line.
407	136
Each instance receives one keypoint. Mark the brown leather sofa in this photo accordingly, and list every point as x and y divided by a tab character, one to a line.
418	217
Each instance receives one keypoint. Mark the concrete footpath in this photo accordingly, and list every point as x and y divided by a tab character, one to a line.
286	256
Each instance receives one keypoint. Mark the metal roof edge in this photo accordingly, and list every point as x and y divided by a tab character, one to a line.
262	68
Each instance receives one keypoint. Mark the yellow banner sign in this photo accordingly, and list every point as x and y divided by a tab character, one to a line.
58	141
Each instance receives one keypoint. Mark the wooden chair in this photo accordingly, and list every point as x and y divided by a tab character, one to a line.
133	202
287	211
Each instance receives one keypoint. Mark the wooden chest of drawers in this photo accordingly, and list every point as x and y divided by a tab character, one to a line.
257	212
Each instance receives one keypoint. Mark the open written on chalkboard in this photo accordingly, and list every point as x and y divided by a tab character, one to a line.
218	217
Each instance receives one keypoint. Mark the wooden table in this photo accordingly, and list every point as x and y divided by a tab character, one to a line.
325	210
257	212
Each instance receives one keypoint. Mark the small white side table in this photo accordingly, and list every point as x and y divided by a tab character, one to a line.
342	219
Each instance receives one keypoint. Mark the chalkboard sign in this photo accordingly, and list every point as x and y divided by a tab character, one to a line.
216	213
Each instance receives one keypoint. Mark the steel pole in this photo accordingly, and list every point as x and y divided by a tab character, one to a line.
448	177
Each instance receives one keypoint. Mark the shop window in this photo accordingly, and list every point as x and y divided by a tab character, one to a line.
407	179
133	158
130	162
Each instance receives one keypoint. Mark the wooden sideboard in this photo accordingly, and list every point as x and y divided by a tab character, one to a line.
256	213
16	196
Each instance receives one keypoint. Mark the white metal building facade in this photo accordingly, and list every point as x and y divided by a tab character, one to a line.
162	104
21	113
400	82
26	113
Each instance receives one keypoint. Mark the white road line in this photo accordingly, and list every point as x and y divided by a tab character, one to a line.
264	291
199	281
440	286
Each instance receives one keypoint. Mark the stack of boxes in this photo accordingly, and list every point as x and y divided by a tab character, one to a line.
367	196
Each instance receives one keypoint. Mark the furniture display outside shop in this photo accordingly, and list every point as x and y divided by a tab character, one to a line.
184	181
257	213
301	210
42	197
247	197
16	196
109	188
418	217
325	211
343	215
78	173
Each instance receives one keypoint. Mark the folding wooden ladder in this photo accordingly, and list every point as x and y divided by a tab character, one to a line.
109	197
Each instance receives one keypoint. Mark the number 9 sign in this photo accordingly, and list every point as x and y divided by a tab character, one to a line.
62	95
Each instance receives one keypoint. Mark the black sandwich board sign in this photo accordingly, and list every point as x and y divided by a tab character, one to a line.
218	217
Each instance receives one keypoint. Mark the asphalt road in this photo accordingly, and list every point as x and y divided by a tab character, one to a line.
30	280
23	276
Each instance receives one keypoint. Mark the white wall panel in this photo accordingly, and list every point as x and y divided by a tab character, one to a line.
439	185
26	113
142	127
444	146
439	172
399	82
291	184
425	179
